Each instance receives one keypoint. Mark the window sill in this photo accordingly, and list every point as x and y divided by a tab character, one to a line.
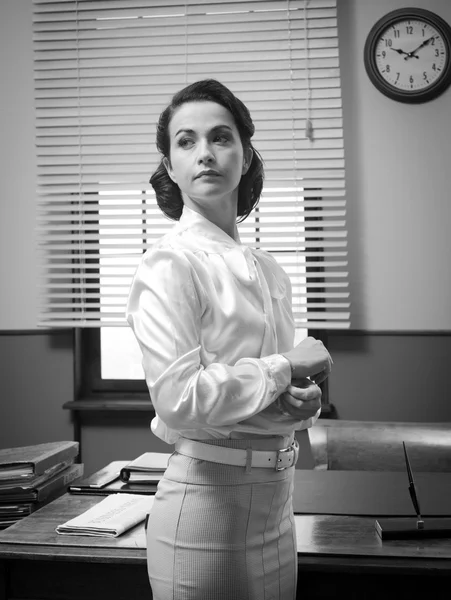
122	404
125	404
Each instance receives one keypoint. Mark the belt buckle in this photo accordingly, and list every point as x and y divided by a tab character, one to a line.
279	458
294	448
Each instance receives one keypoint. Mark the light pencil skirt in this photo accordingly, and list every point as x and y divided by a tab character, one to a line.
216	532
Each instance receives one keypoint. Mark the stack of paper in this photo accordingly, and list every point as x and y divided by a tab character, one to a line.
110	517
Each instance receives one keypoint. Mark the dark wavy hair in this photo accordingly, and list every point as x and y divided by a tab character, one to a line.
169	197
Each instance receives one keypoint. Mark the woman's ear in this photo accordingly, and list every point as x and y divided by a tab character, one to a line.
167	165
247	159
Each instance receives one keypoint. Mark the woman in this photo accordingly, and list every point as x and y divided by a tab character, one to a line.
214	322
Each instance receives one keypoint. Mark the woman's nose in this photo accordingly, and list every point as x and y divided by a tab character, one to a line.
205	154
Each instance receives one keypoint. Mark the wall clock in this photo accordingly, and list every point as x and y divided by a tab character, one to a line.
407	55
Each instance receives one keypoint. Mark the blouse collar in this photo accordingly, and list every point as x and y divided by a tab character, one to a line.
198	225
241	260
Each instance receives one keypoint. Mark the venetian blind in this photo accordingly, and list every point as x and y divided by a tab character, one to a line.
105	69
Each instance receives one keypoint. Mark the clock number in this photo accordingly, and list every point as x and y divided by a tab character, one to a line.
433	41
436	52
384	54
434	68
396	33
409	29
411	79
388	42
425	75
387	68
397	77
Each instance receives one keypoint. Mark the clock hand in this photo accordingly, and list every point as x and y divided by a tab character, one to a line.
398	50
413	53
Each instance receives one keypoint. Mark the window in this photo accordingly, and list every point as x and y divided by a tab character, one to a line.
103	73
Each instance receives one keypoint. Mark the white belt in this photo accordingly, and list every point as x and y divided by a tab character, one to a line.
272	459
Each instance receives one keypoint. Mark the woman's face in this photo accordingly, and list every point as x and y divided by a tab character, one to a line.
207	158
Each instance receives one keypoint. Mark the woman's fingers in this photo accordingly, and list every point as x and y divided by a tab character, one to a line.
302	399
303	391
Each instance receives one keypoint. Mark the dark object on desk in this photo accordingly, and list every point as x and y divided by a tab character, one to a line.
146	468
23	486
25	462
13	512
31	476
107	481
22	499
42	490
403	529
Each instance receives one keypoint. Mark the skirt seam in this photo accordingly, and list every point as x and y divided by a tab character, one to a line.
293	538
264	540
246	537
278	540
175	539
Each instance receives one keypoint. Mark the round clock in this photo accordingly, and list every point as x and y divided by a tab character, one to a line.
407	55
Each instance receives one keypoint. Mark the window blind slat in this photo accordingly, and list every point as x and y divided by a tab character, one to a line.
104	70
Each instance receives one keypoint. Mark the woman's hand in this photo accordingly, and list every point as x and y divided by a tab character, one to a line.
302	399
310	359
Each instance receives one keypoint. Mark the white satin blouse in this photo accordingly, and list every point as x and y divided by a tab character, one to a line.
211	317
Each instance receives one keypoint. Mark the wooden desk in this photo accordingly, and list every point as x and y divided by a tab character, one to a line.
338	556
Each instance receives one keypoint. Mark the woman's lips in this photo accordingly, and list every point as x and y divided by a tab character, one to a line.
207	174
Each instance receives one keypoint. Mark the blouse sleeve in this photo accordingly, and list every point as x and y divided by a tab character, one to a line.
165	308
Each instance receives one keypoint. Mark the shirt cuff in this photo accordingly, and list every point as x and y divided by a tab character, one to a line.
279	369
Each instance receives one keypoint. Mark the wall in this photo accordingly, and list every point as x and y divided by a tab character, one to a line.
390	377
18	265
391	366
398	188
36	377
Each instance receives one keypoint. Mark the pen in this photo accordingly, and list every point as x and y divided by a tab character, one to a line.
412	491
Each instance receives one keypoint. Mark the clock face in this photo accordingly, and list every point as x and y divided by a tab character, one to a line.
411	55
408	55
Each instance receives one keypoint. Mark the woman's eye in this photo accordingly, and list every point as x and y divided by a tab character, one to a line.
221	139
185	142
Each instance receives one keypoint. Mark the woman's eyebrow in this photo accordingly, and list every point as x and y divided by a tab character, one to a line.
184	131
212	130
220	127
